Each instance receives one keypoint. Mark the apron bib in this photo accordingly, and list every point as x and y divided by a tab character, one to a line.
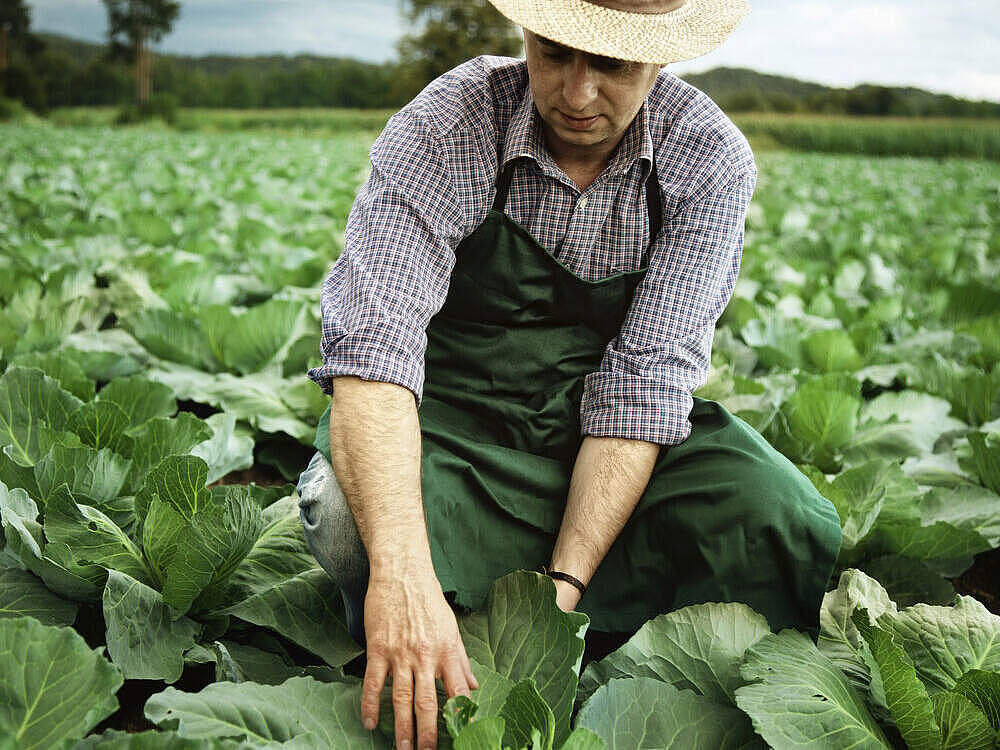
504	367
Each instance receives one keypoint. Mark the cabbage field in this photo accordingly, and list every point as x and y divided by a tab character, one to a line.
159	307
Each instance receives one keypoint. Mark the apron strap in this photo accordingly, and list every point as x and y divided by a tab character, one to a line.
654	199
503	186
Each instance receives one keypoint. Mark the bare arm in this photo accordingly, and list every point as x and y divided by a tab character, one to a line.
609	477
410	629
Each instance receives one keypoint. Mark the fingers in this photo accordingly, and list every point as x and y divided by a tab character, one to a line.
402	705
425	703
371	689
454	678
467	666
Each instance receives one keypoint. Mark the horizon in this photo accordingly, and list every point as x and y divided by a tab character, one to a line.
859	43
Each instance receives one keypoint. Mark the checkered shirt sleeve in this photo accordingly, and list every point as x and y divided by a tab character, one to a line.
642	390
393	275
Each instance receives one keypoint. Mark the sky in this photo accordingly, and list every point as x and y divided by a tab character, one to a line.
949	46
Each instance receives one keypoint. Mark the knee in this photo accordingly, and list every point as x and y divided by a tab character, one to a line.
328	523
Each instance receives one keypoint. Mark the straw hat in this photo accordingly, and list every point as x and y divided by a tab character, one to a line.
648	31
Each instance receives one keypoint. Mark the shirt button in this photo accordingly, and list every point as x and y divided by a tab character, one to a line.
582	203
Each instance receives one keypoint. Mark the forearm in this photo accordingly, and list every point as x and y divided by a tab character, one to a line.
375	452
609	477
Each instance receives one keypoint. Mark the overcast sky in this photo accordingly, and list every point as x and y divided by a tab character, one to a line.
948	46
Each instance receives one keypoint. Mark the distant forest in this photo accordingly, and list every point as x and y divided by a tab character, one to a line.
69	72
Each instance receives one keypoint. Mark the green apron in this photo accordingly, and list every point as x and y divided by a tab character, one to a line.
723	518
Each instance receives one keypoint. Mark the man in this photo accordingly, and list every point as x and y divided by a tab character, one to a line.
525	302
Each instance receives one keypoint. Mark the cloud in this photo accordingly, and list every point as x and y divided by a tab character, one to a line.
944	46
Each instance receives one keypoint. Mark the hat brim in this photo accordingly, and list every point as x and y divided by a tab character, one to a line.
692	30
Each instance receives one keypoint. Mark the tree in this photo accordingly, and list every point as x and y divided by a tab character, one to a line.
132	25
451	32
15	20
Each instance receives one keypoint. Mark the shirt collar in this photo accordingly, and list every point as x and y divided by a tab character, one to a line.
524	139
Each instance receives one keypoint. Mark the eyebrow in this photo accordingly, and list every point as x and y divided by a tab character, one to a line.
563	48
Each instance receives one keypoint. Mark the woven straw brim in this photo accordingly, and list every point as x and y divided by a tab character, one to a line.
693	30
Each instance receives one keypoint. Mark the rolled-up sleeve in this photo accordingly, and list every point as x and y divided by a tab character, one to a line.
393	274
662	353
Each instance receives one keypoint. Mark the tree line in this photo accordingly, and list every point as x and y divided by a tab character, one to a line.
47	72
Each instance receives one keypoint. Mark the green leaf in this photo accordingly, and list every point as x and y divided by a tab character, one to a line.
171	336
799	699
269	713
525	713
150	227
925	416
492	691
238	662
53	687
776	339
279	553
905	695
940	541
26	544
963	726
92	537
986	460
522	633
983	690
256	399
910	582
93	476
139	398
305	610
24	595
857	494
946	642
818	420
251	340
29	399
224	451
839	639
584	739
112	739
643	712
832	351
142	639
61	367
159	437
698	647
966	507
208	549
178	481
14	474
102	424
458	712
485	734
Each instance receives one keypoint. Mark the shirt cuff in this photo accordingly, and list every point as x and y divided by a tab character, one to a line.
370	356
634	408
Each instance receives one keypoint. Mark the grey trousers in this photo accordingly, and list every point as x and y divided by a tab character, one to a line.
333	539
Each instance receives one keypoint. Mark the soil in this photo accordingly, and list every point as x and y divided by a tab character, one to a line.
263	476
982	580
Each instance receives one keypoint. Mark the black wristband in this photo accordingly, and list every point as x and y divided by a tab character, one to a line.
557	575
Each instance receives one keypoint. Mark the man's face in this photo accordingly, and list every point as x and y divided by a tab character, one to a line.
586	101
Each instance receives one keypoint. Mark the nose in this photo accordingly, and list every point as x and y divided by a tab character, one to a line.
579	85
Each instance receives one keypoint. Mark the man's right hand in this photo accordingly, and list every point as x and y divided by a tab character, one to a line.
412	635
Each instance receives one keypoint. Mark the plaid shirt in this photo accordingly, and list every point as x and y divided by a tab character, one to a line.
432	182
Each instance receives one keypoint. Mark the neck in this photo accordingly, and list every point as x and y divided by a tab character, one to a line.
581	163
